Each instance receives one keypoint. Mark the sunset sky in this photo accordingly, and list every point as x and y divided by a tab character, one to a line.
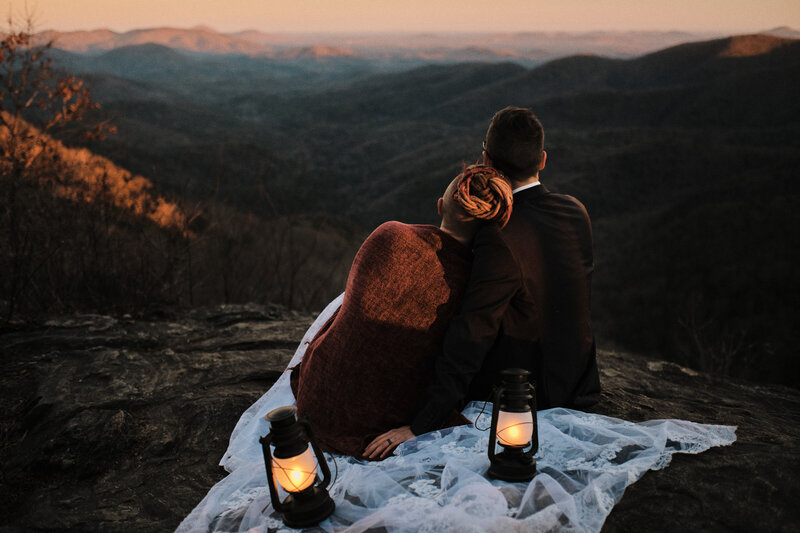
416	15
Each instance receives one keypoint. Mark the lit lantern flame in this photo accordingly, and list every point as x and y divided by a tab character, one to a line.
295	473
514	429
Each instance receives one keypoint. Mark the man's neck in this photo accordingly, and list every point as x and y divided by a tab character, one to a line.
517	186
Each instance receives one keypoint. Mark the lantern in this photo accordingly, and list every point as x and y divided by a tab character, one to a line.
514	428
293	466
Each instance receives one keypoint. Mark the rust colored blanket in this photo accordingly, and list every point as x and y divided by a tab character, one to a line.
367	370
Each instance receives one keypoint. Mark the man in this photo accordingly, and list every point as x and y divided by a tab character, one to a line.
368	368
527	301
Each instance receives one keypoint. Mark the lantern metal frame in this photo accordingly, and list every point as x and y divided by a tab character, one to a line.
291	437
516	394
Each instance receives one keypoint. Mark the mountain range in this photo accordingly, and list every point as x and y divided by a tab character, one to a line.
683	156
528	48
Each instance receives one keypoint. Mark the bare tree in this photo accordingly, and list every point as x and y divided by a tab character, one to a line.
707	342
36	100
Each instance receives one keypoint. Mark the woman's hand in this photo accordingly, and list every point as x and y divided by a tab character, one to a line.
384	444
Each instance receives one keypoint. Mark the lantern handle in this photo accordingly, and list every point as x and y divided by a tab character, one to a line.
532	403
498	391
273	490
323	464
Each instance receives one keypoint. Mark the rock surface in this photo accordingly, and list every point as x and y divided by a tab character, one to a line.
117	424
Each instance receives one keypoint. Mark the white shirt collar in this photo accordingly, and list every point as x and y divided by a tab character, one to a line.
528	186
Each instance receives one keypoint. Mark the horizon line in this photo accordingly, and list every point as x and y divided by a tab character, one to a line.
422	32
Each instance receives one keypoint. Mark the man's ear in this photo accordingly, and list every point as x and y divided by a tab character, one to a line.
439	203
544	159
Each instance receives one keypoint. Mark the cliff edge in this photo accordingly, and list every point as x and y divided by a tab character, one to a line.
117	424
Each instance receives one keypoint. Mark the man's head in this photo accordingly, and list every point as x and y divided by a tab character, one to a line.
515	144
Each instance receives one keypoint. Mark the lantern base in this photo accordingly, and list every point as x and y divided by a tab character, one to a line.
307	508
512	465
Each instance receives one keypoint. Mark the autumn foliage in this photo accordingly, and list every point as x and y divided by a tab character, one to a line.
82	176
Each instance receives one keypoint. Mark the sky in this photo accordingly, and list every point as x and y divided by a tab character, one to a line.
414	15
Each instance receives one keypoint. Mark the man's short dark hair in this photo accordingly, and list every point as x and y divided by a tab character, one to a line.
515	142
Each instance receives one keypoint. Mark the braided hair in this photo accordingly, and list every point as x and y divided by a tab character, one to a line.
484	193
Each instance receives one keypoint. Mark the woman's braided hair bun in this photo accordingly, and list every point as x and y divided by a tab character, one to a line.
484	193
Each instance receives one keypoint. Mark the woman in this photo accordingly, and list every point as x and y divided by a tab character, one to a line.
366	371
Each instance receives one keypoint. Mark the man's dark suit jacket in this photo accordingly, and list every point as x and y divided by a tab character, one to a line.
526	306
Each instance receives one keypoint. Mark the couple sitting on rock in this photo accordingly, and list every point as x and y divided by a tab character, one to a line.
430	316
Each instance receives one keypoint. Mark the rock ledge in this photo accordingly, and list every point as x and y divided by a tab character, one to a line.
116	423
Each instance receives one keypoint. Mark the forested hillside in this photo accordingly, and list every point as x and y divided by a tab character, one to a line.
684	159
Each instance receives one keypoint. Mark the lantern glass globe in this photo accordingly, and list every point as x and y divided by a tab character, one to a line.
295	473
514	429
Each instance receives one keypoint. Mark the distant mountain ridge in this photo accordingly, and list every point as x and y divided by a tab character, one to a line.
753	45
527	47
783	31
685	64
317	51
199	39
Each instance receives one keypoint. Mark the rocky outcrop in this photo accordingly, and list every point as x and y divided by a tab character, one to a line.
117	424
749	486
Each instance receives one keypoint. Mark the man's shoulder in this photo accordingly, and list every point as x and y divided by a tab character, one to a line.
574	201
546	203
566	200
490	232
493	241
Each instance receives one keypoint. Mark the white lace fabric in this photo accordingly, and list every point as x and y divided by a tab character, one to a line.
437	482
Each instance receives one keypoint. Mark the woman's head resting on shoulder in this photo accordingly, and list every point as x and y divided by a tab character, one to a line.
478	195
